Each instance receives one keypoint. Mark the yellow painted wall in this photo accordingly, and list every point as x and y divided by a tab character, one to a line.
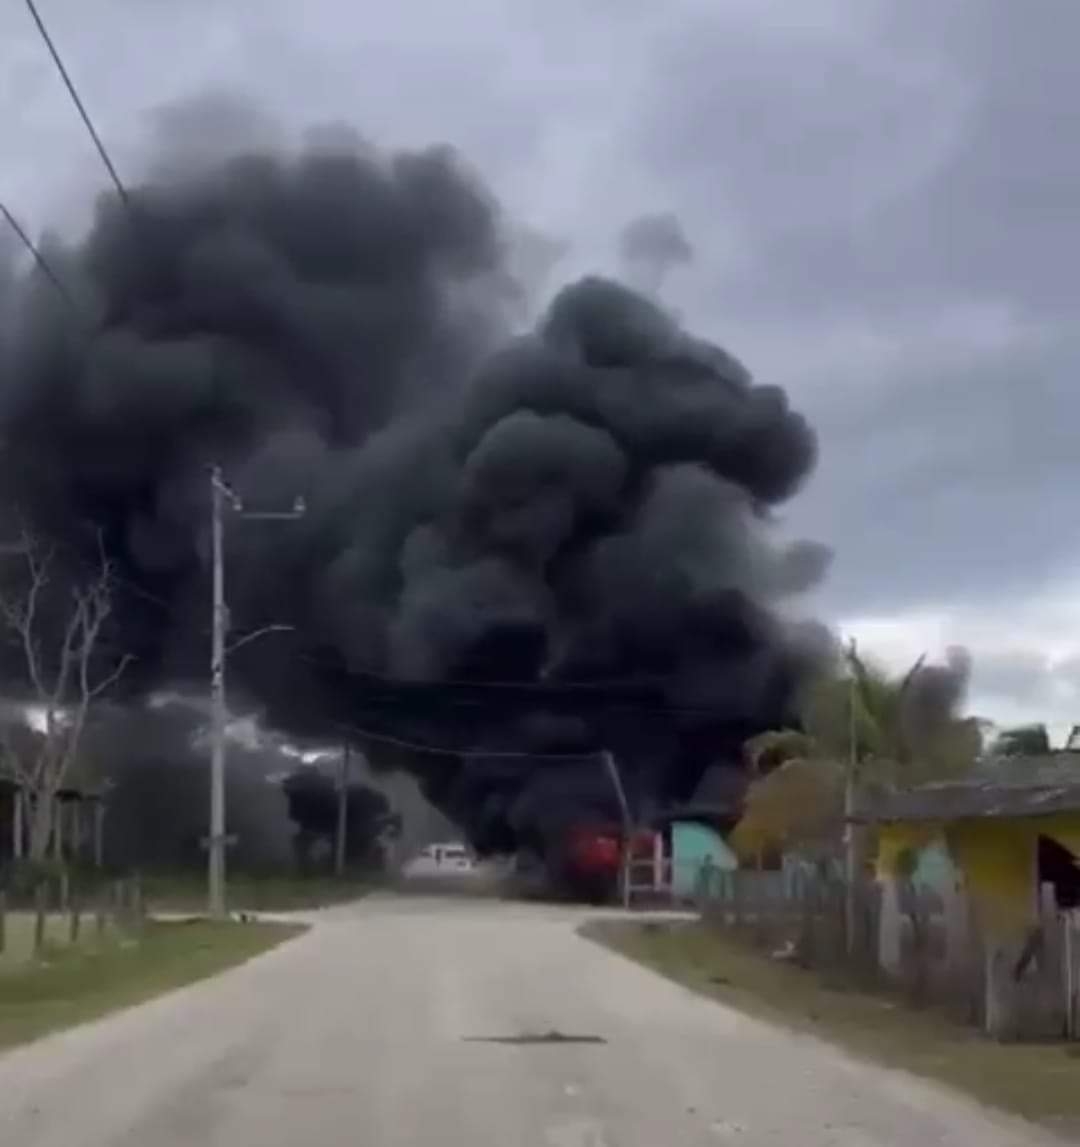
996	856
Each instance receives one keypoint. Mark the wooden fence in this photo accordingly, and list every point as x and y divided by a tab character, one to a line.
926	947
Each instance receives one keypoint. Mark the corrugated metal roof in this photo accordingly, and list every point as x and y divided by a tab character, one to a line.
1011	787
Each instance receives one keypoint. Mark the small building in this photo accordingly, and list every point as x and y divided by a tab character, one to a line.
1008	837
692	838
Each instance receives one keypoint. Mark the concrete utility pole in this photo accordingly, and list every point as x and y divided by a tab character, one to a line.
851	859
614	776
342	838
217	842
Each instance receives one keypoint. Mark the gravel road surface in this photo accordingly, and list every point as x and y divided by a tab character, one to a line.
382	1026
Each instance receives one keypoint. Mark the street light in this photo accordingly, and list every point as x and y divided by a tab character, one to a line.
220	495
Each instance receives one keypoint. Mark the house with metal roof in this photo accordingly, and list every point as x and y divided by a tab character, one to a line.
1011	832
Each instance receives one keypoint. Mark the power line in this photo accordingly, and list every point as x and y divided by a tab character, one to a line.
445	751
121	190
39	258
538	689
598	685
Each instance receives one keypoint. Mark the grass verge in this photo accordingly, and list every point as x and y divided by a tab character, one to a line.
19	937
75	985
186	892
1038	1081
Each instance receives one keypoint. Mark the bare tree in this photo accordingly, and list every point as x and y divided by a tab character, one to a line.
55	625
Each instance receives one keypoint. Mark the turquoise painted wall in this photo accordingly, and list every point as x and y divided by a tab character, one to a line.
934	868
691	844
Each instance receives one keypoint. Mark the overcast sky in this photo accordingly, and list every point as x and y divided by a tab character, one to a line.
883	198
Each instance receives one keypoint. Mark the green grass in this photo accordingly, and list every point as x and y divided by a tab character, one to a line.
186	892
1038	1081
75	985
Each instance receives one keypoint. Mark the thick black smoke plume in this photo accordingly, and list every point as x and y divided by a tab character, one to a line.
518	550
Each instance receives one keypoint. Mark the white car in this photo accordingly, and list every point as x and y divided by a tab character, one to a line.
440	860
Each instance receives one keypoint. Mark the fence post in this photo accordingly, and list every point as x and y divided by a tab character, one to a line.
920	927
889	927
138	907
1053	983
807	892
762	905
118	903
1068	953
74	922
865	949
102	911
999	1018
957	930
3	922
975	965
99	833
40	905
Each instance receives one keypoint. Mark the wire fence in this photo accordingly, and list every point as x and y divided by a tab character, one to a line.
924	946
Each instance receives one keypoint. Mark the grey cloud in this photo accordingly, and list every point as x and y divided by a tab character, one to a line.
1023	675
1031	685
881	197
908	182
928	155
949	484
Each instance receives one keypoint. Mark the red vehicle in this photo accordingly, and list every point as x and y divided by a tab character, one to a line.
587	861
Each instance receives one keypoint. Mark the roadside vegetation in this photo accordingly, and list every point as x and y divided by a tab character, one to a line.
1037	1081
71	985
900	730
20	939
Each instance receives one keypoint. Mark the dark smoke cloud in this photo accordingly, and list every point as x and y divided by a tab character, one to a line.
546	544
154	761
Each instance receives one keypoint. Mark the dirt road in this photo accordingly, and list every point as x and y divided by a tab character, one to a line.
382	1028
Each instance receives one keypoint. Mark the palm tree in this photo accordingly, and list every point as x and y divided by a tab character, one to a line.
899	730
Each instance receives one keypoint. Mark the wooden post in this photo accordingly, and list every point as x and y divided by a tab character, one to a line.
3	922
118	904
1053	995
1068	942
99	832
58	829
76	836
627	875
807	890
74	922
957	930
102	913
138	907
40	905
998	1011
17	834
658	866
889	927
